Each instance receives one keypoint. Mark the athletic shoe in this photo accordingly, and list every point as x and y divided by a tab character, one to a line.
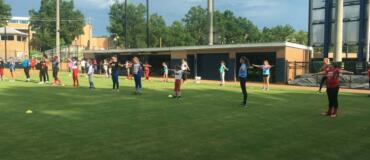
333	116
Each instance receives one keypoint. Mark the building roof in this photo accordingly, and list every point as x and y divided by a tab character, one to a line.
189	48
11	31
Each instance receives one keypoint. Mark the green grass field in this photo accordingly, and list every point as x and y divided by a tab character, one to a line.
207	124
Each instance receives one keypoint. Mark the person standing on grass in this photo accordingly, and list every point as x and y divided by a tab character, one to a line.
165	72
26	68
47	62
90	74
55	67
325	67
12	68
105	67
147	67
332	88
83	66
178	81
265	74
128	66
185	68
43	70
75	72
2	66
243	74
33	63
137	71
114	65
222	71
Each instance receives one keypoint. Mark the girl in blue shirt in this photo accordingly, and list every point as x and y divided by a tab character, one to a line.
243	74
265	74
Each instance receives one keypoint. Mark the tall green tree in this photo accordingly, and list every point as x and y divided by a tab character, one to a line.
136	33
277	34
179	36
5	12
44	25
158	30
196	22
231	29
300	37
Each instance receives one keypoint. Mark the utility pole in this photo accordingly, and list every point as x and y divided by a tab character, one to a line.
339	32
147	24
57	46
6	41
368	36
126	25
210	22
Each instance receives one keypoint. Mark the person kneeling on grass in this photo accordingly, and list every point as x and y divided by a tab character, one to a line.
178	81
90	74
332	83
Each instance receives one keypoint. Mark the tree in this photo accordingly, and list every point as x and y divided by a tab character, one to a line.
277	34
231	29
5	12
179	36
196	22
158	30
300	37
136	33
44	25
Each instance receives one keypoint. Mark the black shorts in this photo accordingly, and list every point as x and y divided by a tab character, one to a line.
265	75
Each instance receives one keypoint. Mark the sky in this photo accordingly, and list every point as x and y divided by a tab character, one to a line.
264	13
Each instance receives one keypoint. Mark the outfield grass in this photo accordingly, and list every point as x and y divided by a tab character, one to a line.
208	124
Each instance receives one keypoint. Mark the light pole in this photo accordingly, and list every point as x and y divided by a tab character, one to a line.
210	22
6	41
57	47
126	25
147	24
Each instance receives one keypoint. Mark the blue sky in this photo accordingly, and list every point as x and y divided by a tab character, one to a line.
261	12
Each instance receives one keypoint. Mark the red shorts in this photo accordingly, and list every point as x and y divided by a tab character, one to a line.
178	85
75	73
1	71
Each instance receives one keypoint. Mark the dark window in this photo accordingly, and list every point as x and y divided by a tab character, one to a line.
24	39
19	38
10	38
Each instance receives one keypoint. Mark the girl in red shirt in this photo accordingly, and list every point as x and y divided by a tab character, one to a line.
324	68
33	63
147	67
332	88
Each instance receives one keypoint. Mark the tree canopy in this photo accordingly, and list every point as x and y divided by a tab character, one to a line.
44	24
5	12
193	28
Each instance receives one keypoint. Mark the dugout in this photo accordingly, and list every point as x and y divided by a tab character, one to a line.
204	61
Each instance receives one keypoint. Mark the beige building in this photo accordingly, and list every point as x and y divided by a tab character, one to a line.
87	41
19	35
14	38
